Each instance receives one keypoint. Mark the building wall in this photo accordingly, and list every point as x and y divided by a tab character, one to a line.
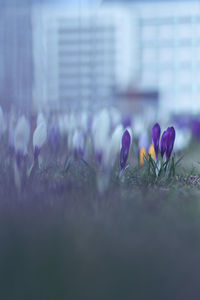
80	56
170	52
157	47
16	68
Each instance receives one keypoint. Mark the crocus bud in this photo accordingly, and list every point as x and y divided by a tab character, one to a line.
156	138
170	141
39	138
21	138
126	142
152	152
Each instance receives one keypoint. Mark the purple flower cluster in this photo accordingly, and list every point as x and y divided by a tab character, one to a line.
126	142
166	143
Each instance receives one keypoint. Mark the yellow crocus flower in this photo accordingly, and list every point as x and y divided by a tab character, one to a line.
152	152
143	155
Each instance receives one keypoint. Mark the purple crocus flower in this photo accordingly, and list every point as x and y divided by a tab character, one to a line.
126	141
170	141
156	138
21	139
39	138
163	143
167	142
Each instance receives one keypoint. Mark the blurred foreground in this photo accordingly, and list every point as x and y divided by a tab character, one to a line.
61	240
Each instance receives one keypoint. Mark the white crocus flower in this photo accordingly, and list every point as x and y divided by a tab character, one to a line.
39	139
115	116
100	130
39	136
21	140
84	121
78	143
109	155
113	147
40	118
22	136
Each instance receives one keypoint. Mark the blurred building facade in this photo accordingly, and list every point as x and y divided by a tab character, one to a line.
170	52
80	56
16	50
53	54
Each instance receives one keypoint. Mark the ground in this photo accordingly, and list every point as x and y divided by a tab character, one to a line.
61	239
